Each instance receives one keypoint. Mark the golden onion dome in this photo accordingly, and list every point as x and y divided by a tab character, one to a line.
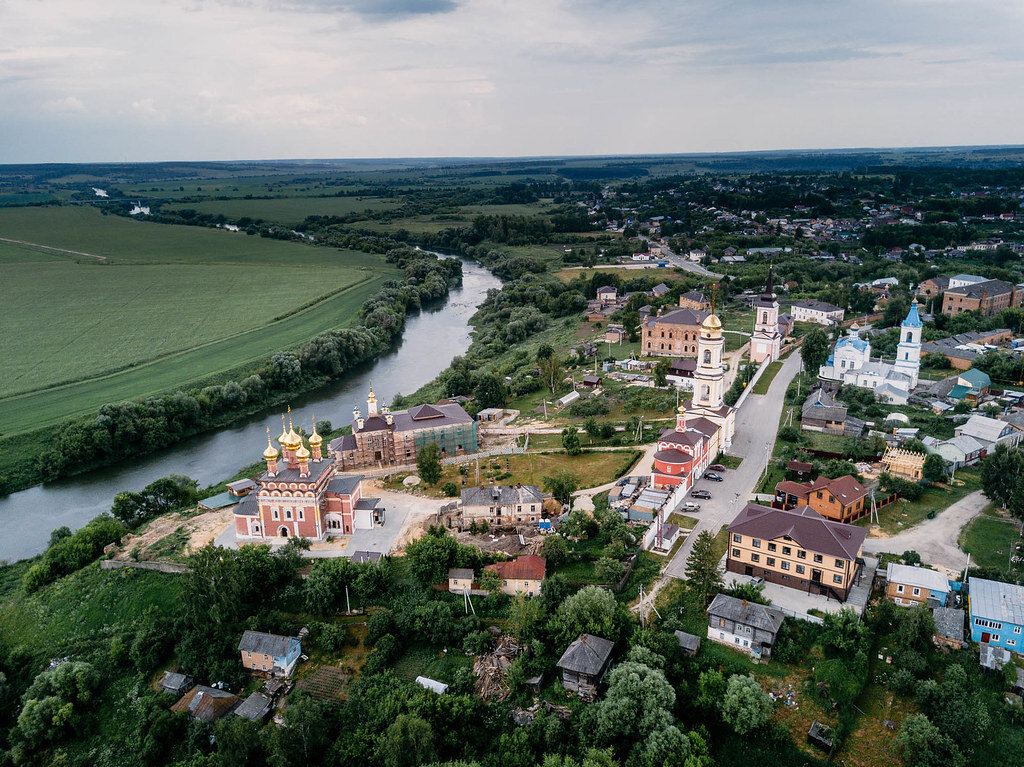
302	453
271	452
711	322
681	409
315	439
283	439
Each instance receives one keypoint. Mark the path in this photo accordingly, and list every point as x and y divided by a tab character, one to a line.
756	425
55	250
583	498
935	539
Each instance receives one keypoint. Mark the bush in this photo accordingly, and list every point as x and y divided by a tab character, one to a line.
74	552
789	434
450	489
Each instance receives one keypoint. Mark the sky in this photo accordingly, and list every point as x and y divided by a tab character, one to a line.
131	80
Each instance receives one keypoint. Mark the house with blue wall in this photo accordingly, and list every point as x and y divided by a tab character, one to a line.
269	654
997	613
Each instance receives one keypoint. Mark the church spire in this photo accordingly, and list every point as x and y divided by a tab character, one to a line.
769	286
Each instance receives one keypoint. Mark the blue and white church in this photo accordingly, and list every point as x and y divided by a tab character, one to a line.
892	381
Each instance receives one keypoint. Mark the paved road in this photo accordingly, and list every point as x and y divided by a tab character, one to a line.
684	263
935	539
756	425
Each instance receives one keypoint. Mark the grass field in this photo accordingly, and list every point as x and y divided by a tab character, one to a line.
166	306
289	210
990	537
761	387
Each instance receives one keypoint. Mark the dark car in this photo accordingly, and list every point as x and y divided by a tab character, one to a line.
714	477
716	467
703	494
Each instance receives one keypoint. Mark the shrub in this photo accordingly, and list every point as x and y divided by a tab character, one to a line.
450	489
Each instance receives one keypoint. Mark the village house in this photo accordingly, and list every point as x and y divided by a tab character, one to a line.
822	413
932	286
744	625
255	708
816	311
584	664
904	463
840	499
501	504
990	431
962	349
673	334
689	644
207	704
971	387
386	438
680	373
522	575
962	450
607	294
949	627
694	300
797	548
615	334
461	580
270	654
988	297
912	586
997	614
659	290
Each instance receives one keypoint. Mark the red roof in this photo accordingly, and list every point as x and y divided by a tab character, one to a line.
798	489
528	567
846	489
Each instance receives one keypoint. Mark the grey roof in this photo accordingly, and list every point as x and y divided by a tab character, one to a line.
965	443
366	556
241	484
587	655
695	296
346	442
367	503
174	681
997	601
419	417
993	656
344	484
746	613
916	576
983	428
432	684
688	641
461	573
678	317
255	707
987	288
268	644
821	404
819	306
247	506
949	622
501	495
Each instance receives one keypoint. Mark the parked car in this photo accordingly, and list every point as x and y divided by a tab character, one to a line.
757	580
716	467
691	506
702	494
714	477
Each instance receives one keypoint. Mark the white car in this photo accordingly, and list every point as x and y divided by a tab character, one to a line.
691	506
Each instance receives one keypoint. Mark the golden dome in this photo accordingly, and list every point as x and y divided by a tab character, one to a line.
271	452
711	322
283	439
314	438
292	439
302	453
681	409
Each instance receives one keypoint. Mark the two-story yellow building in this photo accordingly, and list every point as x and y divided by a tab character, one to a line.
797	548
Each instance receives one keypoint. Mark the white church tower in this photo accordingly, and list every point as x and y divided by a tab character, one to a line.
709	383
766	341
908	353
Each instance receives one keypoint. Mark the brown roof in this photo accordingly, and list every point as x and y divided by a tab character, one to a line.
705	426
799	489
680	437
795	465
803	525
206	703
846	489
672	456
528	567
678	317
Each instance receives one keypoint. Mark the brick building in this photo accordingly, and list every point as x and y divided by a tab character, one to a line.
989	297
673	334
841	499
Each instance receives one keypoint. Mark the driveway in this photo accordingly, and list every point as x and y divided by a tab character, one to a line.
935	539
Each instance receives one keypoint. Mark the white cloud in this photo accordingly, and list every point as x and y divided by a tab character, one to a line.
207	79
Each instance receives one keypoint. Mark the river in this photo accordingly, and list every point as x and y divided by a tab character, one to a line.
432	338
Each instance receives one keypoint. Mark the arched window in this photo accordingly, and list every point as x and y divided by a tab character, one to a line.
705	392
764	317
908	336
707	356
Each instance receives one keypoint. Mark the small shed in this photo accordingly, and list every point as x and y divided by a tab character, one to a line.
489	414
993	657
175	683
568	399
590	381
688	643
432	684
366	556
820	735
584	664
255	708
949	627
241	487
206	703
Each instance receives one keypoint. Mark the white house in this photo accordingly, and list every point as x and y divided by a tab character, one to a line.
816	311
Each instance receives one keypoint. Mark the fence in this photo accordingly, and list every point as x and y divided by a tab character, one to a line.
798	615
469	457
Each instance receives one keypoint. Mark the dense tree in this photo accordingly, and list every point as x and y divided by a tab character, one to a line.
703	578
814	350
1002	478
934	469
561	485
571	441
490	391
591	610
922	744
556	550
408	742
745	706
428	463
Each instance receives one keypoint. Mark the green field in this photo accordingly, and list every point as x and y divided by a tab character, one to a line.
167	306
990	538
289	210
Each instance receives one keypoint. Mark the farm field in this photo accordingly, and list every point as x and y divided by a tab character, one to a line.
167	306
289	210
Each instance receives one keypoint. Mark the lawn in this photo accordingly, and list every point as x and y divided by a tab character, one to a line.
432	663
761	387
172	305
289	210
905	514
989	538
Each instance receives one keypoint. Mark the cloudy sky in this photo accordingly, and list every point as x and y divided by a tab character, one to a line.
116	80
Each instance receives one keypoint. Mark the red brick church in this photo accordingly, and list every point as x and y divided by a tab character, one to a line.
300	494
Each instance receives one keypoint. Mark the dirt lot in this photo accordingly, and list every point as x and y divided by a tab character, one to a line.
174	535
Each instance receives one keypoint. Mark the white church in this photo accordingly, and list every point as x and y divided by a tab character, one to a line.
850	362
766	341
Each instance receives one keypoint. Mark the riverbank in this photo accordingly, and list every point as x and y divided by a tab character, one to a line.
432	338
134	426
